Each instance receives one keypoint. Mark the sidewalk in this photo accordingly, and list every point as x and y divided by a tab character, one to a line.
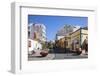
57	56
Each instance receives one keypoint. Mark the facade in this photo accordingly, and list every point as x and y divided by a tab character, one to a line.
74	40
78	37
64	42
36	36
33	46
38	32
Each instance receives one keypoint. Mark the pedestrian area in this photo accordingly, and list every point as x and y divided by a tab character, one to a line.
54	56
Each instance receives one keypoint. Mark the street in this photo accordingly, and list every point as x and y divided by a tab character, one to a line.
54	56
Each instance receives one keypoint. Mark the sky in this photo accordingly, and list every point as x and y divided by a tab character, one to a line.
54	23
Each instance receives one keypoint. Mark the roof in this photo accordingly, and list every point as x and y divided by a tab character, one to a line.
85	28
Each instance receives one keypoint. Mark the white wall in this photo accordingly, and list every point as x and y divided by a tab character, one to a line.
35	45
5	42
59	37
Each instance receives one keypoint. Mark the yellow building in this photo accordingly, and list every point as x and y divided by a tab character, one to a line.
74	40
78	37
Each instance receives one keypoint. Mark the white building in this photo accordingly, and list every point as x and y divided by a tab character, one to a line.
33	46
38	31
36	35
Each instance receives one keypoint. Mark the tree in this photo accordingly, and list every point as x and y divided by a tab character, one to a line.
44	45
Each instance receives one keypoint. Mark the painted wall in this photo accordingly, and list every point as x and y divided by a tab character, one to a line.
35	45
74	38
84	35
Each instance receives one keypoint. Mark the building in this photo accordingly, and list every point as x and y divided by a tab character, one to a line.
78	37
65	30
74	39
33	46
36	37
38	32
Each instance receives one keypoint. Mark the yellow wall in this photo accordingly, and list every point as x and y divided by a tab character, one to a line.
75	36
84	35
84	31
79	35
62	40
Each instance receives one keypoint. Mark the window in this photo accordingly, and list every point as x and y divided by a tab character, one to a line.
29	43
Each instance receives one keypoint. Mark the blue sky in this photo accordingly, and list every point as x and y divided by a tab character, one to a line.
54	23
